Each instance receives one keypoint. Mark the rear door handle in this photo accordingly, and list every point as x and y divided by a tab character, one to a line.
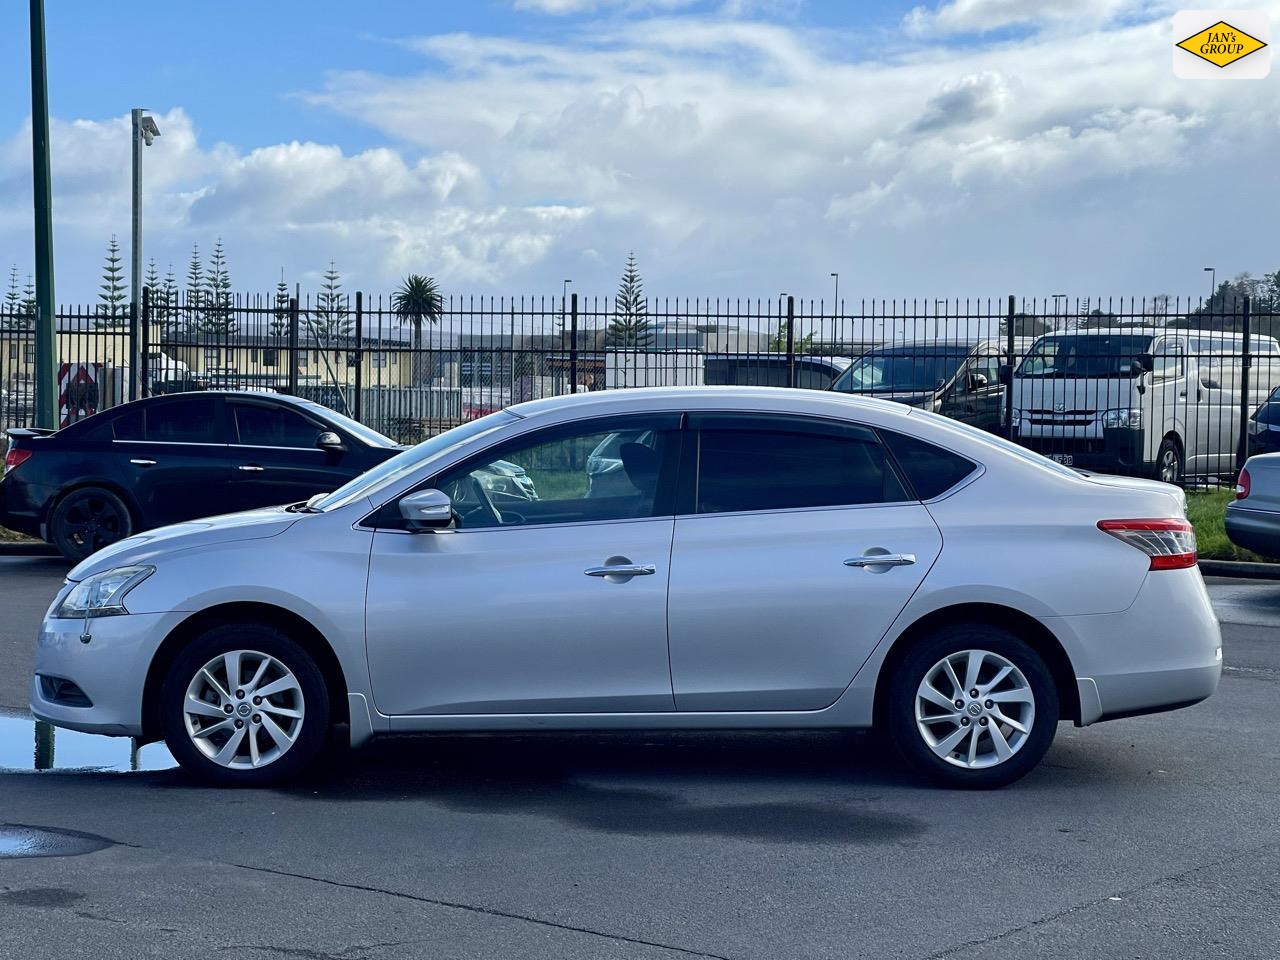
622	570
882	560
250	468
143	463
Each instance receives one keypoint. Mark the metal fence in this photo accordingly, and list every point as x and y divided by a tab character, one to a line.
1145	387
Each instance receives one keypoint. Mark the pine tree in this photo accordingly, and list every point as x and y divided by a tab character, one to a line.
280	309
195	287
331	318
10	316
167	304
218	317
630	328
113	301
28	319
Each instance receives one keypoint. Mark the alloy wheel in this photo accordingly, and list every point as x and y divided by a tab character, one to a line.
243	709
974	709
92	522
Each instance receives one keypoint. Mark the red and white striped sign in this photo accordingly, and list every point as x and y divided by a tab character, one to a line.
79	391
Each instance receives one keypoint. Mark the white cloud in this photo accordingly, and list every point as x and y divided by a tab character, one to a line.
735	156
984	16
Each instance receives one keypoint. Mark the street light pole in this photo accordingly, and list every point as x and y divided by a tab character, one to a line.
836	309
1213	280
1056	298
46	374
144	131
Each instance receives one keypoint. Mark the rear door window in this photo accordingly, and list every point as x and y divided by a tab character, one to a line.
774	468
184	420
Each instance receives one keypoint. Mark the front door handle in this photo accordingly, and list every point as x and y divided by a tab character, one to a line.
622	570
882	560
250	468
143	463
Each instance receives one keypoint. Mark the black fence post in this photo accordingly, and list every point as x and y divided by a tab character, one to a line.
1011	360
293	346
791	340
573	344
357	407
145	352
1246	402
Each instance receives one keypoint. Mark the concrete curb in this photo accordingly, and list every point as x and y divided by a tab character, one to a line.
26	548
1239	568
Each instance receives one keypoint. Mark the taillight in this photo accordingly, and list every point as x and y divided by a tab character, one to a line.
1170	543
1244	484
15	458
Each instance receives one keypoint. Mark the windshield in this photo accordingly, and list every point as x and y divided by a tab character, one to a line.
902	370
401	465
1081	356
354	427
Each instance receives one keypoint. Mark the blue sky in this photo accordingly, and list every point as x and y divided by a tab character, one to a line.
928	148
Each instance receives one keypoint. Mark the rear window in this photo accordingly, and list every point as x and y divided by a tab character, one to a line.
930	470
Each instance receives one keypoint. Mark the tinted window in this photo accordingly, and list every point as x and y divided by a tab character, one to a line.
270	426
190	420
569	475
768	470
128	426
930	470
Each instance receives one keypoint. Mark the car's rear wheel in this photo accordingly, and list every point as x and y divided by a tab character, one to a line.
972	706
86	520
245	704
1169	461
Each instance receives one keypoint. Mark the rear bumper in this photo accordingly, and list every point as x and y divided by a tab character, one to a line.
1256	530
1162	653
22	506
1116	451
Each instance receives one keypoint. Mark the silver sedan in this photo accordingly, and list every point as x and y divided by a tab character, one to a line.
775	559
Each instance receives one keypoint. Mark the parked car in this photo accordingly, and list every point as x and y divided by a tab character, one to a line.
172	458
1163	403
1253	517
781	559
772	370
1264	425
959	378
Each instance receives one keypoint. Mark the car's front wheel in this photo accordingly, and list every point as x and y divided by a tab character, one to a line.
245	704
972	705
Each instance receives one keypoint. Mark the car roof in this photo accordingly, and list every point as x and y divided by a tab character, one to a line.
711	398
835	361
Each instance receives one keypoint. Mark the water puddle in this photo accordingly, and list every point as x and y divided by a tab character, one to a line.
19	841
29	744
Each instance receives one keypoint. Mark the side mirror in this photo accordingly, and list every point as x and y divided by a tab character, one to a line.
1006	373
977	381
1147	362
330	441
427	510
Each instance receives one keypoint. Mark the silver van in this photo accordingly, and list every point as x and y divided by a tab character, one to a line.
1163	402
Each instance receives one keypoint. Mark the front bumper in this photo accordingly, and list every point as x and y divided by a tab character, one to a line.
1116	451
1163	652
110	668
1256	530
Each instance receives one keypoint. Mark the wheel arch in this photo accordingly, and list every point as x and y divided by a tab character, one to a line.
297	627
1027	627
86	483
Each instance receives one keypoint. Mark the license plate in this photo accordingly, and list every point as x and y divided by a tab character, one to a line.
1066	459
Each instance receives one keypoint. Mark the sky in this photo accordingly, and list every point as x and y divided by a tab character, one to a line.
740	148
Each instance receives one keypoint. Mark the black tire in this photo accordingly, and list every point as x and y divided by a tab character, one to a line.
310	737
906	733
1169	463
86	520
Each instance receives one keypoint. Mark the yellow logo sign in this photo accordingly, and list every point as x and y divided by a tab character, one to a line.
1221	44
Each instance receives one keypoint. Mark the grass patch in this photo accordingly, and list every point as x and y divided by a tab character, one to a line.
1205	509
9	536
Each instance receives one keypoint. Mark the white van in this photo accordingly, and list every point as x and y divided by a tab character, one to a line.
1162	403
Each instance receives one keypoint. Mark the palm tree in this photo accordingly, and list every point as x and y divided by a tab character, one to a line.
418	300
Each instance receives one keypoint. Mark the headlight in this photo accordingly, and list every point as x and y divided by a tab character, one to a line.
1130	418
102	595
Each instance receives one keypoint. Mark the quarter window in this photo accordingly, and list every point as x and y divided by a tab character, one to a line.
777	470
930	470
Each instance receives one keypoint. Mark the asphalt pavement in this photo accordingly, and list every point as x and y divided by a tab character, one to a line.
1149	837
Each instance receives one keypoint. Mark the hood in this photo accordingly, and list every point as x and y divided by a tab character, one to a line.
146	547
1138	485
